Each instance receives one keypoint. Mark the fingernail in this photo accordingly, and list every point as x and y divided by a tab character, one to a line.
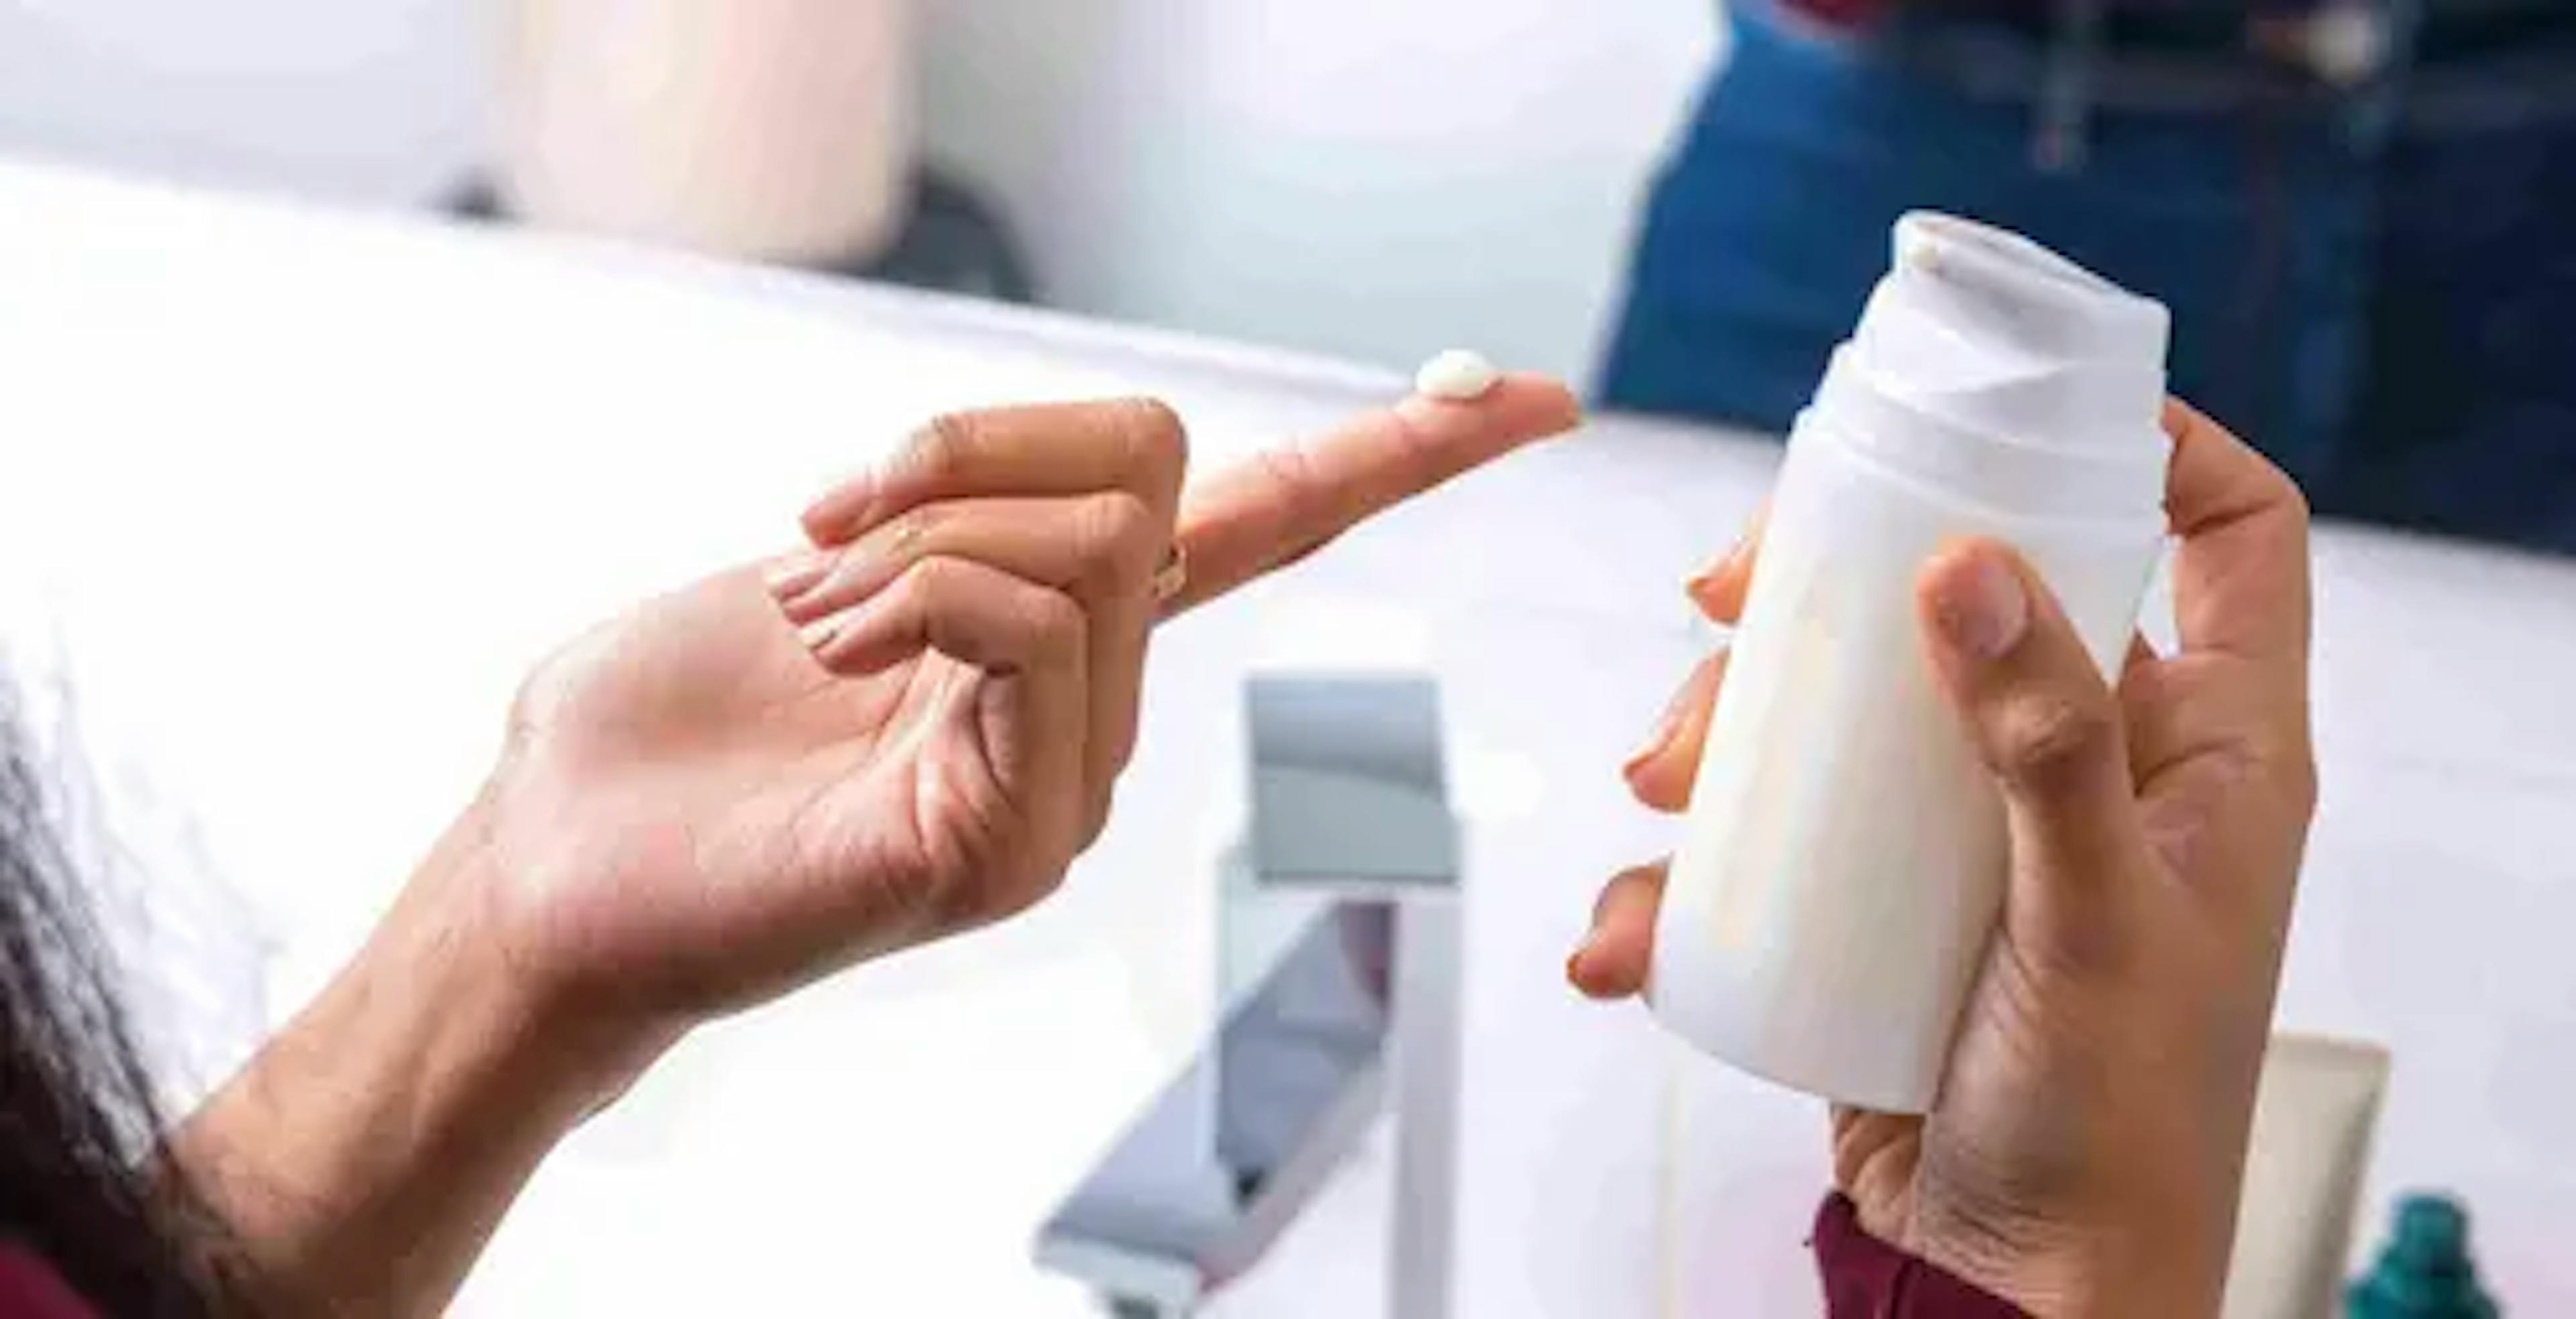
1668	726
845	499
791	576
1982	608
1705	588
819	633
1636	765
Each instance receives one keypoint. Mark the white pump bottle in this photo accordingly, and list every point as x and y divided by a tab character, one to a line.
1844	860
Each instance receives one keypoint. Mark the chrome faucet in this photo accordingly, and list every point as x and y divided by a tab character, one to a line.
1340	963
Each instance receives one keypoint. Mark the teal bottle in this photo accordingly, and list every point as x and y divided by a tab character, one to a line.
2424	1272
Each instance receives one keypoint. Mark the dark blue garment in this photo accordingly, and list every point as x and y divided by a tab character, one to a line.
2375	284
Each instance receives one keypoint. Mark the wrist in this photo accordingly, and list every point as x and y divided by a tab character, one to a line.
362	1157
534	1035
2054	1269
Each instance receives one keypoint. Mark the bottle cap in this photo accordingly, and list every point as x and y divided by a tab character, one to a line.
2005	337
2424	1272
2006	378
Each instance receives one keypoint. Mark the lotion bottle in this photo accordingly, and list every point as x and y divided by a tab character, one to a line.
1844	858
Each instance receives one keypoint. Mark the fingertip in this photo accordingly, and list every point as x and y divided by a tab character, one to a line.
2032	701
1661	775
790	576
1612	973
1602	970
854	642
1659	785
1709	594
1522	406
1581	968
1612	960
832	519
1975	600
1720	590
2179	418
1552	405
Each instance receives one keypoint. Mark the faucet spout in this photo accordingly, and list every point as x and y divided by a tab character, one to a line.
1341	906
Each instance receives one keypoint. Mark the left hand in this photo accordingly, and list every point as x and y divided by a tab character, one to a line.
2084	1154
701	808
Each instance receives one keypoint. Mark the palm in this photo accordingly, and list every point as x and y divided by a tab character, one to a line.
729	804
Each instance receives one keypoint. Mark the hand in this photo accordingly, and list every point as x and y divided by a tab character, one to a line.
913	726
785	768
2085	1152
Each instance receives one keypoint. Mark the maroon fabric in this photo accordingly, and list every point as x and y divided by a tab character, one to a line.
1841	13
30	1289
1866	1278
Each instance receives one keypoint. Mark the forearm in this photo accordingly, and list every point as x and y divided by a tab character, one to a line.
362	1159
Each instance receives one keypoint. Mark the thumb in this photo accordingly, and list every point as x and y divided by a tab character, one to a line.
2038	713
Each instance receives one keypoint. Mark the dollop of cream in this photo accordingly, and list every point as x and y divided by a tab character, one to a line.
1456	376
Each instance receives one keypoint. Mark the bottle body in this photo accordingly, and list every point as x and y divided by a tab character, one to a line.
1844	860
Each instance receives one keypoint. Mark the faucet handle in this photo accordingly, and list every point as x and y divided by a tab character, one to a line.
1349	789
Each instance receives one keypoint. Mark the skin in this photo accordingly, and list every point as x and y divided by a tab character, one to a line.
2085	1153
907	729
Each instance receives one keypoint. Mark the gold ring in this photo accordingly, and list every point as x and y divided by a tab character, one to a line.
1171	575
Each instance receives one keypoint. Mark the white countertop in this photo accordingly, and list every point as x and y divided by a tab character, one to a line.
291	498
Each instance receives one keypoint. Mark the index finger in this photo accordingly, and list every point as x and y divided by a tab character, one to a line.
1035	449
2241	570
1275	509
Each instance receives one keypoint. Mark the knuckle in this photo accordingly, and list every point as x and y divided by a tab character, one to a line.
1122	747
2041	736
2286	492
1119	527
2299	784
938	452
907	533
1095	818
1118	535
929	578
923	590
1290	470
1421	461
1055	621
1157	441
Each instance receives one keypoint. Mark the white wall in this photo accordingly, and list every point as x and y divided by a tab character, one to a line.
1367	178
365	99
1364	178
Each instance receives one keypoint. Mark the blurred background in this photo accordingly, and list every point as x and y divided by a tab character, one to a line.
1353	178
2363	213
2358	209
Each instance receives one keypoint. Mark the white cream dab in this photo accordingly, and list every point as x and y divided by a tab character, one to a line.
1456	376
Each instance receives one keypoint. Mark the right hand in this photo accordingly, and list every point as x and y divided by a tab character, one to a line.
909	728
914	728
2085	1152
